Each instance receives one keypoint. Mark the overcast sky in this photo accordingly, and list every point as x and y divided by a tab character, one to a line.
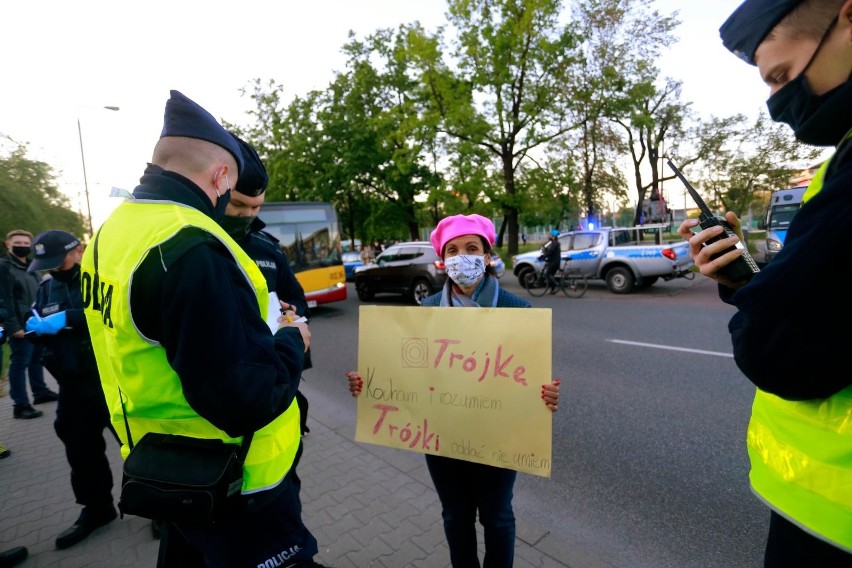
63	61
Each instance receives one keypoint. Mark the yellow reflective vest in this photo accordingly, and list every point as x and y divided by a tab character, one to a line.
137	366
801	453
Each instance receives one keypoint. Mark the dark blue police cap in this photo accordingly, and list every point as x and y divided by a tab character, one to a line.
183	117
749	25
253	177
50	249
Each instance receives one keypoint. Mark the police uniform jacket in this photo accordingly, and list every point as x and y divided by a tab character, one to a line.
67	355
265	250
786	341
233	373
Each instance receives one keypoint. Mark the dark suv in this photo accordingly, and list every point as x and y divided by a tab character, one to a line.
412	269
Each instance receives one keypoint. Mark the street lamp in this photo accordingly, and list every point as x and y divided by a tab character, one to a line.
85	180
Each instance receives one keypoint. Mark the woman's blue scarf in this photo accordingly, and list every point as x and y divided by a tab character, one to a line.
485	295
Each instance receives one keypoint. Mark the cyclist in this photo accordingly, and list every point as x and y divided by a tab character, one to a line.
551	254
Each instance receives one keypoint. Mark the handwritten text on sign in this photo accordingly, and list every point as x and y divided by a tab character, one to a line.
457	382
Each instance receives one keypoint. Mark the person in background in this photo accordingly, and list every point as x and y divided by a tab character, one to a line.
4	451
185	346
18	288
465	488
243	225
551	254
366	254
798	441
59	325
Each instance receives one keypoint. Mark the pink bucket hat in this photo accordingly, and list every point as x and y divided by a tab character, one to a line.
457	225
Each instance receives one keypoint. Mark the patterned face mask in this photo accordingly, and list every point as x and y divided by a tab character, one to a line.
465	269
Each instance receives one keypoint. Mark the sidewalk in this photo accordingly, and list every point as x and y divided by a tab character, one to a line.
366	505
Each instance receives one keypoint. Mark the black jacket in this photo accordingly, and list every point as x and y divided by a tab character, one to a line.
18	289
263	248
790	333
68	355
551	253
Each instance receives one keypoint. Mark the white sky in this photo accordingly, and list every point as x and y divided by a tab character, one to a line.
64	60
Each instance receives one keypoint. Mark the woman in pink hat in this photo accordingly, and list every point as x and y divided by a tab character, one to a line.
466	488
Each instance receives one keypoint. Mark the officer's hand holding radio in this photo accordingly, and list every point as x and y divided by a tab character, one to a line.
703	253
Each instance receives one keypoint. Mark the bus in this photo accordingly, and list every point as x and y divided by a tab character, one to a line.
309	234
783	205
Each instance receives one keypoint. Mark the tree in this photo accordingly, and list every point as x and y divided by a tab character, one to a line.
29	197
508	58
611	85
752	160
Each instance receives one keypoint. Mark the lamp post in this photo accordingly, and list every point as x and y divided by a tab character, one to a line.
85	179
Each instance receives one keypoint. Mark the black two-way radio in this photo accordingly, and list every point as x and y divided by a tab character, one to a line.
742	268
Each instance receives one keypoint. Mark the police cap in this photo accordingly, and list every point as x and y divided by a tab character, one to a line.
748	26
184	117
253	177
50	249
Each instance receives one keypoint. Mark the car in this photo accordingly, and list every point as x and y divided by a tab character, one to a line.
410	268
351	261
497	264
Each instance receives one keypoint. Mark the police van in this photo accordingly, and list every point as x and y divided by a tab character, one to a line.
783	205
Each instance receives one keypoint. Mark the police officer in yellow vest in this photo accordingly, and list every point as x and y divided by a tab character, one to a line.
788	332
176	313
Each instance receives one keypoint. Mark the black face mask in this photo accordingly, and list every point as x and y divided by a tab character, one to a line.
821	120
237	227
21	252
221	203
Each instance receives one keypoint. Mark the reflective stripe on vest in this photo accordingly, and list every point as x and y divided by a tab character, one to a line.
153	397
801	453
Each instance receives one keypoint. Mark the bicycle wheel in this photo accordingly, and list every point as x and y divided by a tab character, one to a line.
534	284
574	285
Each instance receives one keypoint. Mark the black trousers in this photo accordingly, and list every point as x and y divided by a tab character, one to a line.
81	419
788	546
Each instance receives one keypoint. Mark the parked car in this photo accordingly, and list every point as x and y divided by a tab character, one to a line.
498	264
351	261
411	269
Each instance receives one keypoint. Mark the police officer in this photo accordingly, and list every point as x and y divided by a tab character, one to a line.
81	413
785	331
177	318
243	225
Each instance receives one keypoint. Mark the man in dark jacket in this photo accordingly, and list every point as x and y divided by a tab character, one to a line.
185	340
551	254
242	223
81	414
785	332
18	287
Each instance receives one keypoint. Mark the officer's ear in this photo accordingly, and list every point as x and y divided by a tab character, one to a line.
845	20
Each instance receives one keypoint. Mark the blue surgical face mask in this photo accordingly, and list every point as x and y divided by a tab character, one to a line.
465	269
821	120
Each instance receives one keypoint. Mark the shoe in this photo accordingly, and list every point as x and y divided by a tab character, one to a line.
552	291
84	526
46	396
13	556
27	411
4	452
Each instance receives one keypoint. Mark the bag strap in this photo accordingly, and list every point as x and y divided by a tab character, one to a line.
246	443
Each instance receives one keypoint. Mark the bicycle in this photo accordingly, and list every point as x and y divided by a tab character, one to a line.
572	282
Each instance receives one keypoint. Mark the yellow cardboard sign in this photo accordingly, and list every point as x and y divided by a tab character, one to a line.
461	383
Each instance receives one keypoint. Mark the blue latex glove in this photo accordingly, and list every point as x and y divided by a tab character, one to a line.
47	326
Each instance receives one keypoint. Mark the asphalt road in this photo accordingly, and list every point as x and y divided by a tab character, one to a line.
650	467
